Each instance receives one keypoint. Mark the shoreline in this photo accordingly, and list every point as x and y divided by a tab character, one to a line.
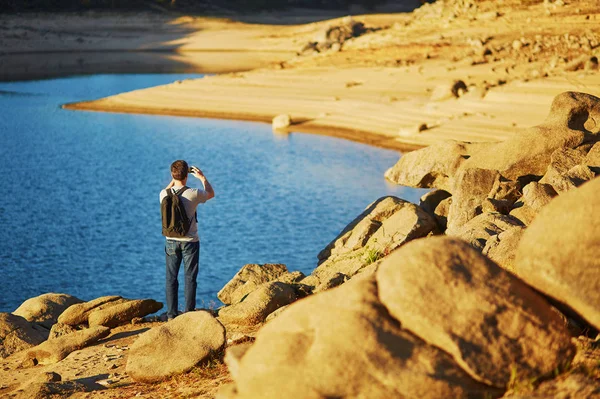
358	136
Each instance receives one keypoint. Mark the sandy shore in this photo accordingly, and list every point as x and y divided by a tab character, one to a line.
378	89
379	107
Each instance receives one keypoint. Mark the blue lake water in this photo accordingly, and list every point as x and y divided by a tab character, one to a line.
80	213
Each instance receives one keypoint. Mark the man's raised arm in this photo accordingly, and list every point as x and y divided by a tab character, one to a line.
197	173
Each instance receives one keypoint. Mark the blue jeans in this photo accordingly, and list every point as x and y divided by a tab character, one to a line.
189	252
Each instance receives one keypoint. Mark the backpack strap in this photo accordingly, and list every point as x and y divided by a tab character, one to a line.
182	190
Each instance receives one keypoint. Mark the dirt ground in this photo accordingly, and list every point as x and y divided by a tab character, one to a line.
100	369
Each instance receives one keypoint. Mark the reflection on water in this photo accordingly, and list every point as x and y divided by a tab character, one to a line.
51	65
80	213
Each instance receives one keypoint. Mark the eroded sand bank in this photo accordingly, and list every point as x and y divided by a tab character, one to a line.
379	88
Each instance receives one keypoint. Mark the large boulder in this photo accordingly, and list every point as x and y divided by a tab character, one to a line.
356	234
559	253
123	313
471	187
55	350
175	347
247	279
17	334
46	308
255	308
447	293
529	152
79	313
384	226
430	167
343	344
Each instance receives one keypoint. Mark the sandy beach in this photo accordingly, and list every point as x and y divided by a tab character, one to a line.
388	87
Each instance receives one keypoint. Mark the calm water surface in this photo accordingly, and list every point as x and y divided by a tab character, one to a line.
80	212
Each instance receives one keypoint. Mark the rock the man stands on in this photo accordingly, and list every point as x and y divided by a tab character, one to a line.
185	248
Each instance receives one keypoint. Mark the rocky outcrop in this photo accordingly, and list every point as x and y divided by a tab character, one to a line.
46	308
255	308
385	225
79	313
17	334
123	313
357	233
109	311
248	278
529	153
559	253
447	293
175	347
343	343
523	157
430	167
55	350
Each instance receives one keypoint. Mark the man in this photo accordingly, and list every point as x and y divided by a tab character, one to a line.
184	248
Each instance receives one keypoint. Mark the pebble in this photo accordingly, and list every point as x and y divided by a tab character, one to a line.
51	376
517	45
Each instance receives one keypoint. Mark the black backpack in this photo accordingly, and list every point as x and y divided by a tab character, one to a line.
175	222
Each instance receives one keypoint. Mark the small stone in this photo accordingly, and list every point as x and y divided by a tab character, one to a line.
51	376
413	130
281	122
591	64
517	45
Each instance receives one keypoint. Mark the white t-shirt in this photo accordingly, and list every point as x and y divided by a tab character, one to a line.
191	198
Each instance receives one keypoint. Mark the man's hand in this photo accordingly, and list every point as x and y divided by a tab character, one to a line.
196	172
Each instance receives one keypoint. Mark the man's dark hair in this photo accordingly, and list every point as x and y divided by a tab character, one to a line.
179	170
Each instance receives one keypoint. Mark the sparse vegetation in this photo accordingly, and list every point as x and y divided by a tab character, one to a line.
372	255
520	385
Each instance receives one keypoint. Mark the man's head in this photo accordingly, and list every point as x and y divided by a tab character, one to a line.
179	170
